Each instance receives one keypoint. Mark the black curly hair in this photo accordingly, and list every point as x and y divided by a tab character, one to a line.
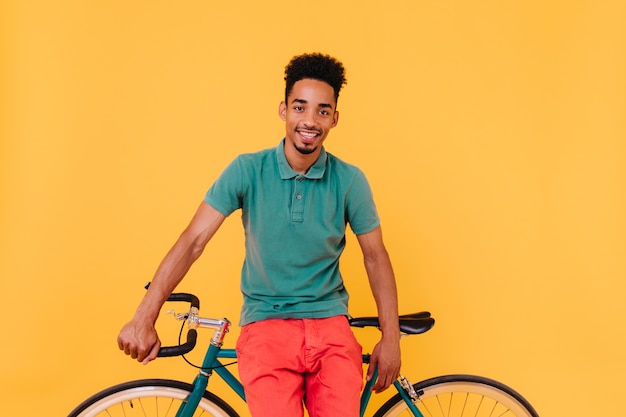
315	66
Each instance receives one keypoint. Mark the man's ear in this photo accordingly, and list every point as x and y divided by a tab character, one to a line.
335	118
282	110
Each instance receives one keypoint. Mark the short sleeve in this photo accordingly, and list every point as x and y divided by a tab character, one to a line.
226	193
361	210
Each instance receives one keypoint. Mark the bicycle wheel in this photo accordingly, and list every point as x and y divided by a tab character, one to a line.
461	395
149	398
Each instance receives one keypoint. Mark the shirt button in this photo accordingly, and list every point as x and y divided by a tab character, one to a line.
299	197
300	179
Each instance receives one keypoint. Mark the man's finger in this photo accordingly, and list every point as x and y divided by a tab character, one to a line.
153	353
371	370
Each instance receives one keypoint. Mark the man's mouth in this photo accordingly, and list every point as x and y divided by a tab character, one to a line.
308	135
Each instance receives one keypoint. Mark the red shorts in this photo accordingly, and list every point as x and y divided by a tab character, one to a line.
285	363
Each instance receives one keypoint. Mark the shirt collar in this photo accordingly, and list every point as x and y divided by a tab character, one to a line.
316	171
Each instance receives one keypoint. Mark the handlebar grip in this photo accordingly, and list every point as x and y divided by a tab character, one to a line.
186	347
183	296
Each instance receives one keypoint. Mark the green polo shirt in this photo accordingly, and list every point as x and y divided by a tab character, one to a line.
294	231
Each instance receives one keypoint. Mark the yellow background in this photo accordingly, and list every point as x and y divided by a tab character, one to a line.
492	132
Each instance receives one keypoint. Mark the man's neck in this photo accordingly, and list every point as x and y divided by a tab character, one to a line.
299	162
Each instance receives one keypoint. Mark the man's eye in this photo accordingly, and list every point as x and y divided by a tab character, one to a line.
324	112
298	108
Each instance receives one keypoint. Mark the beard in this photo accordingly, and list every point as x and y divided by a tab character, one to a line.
305	150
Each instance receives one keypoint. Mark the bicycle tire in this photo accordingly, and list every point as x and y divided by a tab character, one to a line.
461	395
151	398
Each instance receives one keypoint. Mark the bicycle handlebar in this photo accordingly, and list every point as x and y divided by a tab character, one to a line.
181	296
179	350
415	323
192	334
185	297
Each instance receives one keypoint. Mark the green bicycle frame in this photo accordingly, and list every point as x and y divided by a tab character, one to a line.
211	363
200	383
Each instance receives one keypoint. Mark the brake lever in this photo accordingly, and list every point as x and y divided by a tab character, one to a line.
191	316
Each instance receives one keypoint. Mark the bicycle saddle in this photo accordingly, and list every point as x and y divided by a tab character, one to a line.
415	323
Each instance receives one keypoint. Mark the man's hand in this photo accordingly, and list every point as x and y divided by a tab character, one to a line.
385	356
139	340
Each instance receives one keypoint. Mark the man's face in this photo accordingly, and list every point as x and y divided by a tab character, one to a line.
309	114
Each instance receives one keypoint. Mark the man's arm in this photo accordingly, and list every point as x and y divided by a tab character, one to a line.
138	338
386	354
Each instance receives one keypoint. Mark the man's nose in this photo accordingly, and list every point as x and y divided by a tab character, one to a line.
309	118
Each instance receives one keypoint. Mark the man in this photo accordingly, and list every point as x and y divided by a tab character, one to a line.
296	199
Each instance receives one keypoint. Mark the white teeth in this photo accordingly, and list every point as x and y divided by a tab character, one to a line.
308	135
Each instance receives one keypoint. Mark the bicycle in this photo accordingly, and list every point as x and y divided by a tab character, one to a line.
443	396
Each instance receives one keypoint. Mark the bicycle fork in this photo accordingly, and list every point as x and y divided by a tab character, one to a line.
189	406
408	394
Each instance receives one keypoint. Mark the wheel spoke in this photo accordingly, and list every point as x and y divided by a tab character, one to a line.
461	396
149	398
